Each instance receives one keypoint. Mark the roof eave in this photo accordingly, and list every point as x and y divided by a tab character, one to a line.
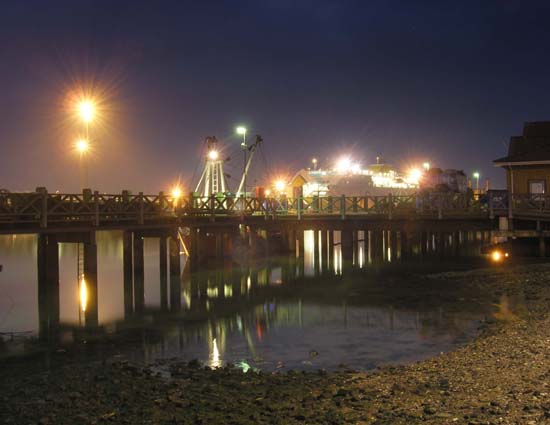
505	163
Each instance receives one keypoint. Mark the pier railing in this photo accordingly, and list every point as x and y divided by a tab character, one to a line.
43	208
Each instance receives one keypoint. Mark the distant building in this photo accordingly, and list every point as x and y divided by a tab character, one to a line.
445	180
527	164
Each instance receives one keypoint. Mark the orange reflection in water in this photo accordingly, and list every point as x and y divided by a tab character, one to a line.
83	294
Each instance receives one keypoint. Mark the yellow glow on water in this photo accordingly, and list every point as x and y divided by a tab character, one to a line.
83	294
309	252
215	356
212	292
227	291
496	256
338	260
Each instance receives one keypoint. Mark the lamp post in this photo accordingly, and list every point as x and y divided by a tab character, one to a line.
314	162
476	176
82	147
86	112
242	131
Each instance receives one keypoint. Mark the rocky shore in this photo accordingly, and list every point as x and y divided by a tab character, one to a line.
502	377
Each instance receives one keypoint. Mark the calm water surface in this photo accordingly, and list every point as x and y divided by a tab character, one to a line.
272	314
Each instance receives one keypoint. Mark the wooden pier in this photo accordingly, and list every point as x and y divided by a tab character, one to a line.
213	226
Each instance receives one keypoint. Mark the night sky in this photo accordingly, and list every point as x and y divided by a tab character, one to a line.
444	81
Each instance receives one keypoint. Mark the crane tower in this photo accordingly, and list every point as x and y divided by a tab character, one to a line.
212	180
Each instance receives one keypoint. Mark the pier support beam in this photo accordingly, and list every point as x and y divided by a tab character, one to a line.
90	277
316	257
423	243
377	245
48	285
193	248
324	249
542	246
175	271
392	243
128	273
219	246
139	277
291	237
347	247
330	243
163	268
301	248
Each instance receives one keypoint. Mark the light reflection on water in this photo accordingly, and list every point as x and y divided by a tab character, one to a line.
234	313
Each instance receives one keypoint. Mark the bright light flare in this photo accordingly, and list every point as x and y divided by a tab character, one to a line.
343	165
280	185
426	166
267	192
476	175
415	175
213	155
176	192
86	110
82	146
241	130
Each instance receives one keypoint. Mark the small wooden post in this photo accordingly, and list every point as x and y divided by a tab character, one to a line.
324	249
139	282
141	218
128	273
162	203
163	267
343	207
44	212
90	275
96	208
175	272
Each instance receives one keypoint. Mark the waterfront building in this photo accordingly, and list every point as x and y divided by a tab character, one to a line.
527	164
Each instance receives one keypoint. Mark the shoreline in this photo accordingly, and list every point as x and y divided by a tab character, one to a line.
501	376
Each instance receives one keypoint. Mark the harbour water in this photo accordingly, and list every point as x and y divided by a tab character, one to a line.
276	313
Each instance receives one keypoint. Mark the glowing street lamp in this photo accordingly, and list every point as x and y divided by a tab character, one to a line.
415	175
213	155
242	131
280	186
426	166
176	192
82	146
343	165
86	110
314	162
476	176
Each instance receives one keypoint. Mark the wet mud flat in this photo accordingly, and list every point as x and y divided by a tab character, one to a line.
502	376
